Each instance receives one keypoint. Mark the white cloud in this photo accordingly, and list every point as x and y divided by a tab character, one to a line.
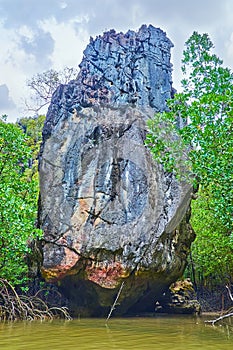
70	39
11	62
5	100
38	35
229	50
26	32
63	5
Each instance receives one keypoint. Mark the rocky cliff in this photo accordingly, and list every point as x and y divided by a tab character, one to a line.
109	213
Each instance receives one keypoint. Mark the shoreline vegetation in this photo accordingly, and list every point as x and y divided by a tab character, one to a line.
210	137
14	306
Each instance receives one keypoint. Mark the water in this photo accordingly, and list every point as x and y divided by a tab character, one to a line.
162	333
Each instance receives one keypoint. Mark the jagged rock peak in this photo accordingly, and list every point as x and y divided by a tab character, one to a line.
127	68
117	69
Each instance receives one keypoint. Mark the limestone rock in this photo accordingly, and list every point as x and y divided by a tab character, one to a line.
118	69
110	213
180	299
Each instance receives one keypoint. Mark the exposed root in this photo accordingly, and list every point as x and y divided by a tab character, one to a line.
22	307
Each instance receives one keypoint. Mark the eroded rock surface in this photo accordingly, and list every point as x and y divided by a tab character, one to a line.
181	298
109	213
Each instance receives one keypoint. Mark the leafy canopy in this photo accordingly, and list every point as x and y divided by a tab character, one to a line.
212	249
194	137
18	204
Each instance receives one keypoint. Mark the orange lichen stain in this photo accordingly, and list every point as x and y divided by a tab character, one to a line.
52	274
84	206
97	222
140	272
106	276
67	267
56	273
81	214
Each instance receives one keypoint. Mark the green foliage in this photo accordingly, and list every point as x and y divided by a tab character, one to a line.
213	248
18	204
32	127
197	142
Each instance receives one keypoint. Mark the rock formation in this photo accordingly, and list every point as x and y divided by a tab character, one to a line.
109	213
181	298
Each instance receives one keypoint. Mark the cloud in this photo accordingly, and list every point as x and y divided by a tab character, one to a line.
228	47
119	14
70	39
38	35
18	12
6	102
40	45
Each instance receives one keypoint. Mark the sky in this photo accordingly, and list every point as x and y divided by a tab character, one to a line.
37	35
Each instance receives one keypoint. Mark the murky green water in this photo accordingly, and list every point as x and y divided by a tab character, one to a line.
162	333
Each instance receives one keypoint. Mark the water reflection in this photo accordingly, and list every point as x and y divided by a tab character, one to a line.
162	333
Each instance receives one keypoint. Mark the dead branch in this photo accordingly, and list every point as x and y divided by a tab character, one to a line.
219	318
229	292
115	302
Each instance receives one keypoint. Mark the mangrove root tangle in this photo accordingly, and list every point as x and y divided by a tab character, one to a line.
22	307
